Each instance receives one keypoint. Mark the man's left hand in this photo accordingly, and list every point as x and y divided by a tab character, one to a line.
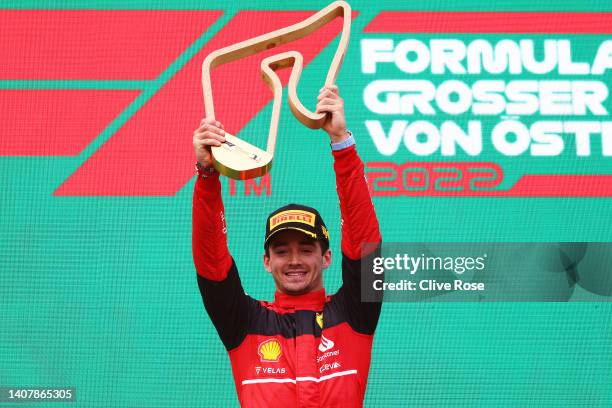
329	101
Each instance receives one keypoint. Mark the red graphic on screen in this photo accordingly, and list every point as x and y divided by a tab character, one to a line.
56	122
96	44
70	45
152	153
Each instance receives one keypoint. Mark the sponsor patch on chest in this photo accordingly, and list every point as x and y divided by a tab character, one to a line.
270	370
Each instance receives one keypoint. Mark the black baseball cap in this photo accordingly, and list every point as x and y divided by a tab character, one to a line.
300	218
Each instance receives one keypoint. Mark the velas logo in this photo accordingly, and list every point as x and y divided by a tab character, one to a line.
270	370
269	351
125	106
517	100
304	217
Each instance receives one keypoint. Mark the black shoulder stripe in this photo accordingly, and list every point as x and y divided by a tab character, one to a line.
347	304
267	322
228	306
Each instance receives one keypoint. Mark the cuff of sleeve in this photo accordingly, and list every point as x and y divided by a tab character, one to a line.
350	141
204	172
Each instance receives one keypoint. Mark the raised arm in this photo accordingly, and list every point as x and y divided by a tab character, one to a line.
218	280
210	254
359	222
360	234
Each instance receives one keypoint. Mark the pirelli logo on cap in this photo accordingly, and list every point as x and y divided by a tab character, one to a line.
305	217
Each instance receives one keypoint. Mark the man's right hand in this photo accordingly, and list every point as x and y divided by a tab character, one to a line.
210	133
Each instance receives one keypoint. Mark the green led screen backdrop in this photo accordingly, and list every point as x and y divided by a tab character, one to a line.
477	121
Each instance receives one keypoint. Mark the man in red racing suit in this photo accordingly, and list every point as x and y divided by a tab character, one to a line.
306	348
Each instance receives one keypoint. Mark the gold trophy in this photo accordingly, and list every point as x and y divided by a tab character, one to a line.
236	158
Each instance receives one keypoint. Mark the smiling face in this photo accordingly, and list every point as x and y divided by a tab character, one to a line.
296	262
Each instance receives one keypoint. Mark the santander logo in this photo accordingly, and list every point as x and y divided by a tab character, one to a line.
326	344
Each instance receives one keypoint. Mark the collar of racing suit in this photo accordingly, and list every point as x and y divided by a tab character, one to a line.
314	300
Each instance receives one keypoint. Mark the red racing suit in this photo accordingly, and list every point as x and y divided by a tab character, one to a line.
311	350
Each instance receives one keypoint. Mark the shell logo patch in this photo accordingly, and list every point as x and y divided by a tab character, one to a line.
270	351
